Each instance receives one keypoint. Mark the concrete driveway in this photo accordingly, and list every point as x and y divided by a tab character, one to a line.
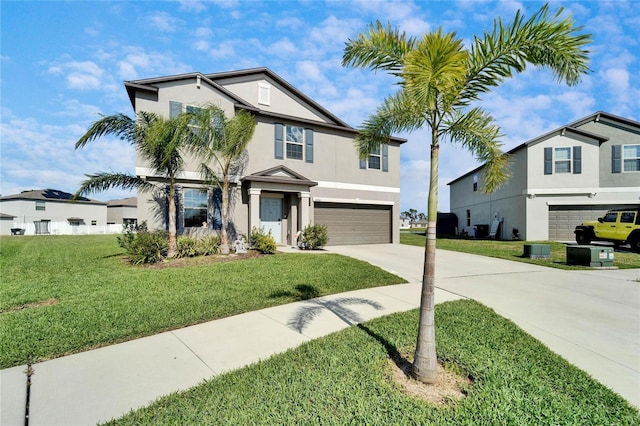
591	318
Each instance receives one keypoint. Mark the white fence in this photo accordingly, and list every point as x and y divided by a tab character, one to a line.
64	228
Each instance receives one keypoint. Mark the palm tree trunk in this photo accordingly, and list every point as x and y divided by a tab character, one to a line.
173	241
425	363
224	243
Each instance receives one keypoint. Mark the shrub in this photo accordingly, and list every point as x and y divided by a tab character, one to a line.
315	236
187	247
143	246
262	242
208	245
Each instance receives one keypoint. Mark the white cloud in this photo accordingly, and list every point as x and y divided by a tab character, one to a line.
192	6
223	50
617	79
82	75
290	23
162	21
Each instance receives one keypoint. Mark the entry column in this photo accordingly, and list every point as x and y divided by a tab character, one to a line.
254	209
304	209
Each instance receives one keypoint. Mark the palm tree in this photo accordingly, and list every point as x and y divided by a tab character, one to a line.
440	81
161	142
226	141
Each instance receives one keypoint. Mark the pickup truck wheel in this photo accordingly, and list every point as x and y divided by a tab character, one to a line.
634	241
583	238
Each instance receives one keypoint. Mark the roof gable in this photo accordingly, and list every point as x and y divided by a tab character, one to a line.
280	174
263	73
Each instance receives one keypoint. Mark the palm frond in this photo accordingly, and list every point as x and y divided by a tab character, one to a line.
397	113
476	131
379	47
104	181
118	125
543	40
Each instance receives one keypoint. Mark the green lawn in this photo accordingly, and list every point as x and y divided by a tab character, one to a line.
343	379
513	250
66	294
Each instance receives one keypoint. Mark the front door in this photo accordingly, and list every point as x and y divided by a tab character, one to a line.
271	217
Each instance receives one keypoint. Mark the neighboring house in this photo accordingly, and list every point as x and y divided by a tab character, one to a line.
560	179
123	211
422	223
301	166
6	223
50	211
405	222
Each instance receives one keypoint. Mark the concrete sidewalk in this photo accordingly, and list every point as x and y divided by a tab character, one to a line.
589	317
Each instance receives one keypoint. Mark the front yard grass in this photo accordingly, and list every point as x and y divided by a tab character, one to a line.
66	294
513	250
344	379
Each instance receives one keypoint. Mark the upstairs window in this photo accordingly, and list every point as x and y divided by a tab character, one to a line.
40	205
562	160
294	142
631	158
377	160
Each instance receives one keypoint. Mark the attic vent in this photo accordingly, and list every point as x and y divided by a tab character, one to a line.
264	93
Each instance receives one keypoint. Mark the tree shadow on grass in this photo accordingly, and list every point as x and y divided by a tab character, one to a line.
400	361
303	292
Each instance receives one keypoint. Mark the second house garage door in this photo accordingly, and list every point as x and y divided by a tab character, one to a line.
564	219
354	223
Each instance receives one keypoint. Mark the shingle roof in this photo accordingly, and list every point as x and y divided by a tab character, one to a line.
50	195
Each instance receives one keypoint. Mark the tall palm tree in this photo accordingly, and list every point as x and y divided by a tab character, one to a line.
161	142
226	141
440	84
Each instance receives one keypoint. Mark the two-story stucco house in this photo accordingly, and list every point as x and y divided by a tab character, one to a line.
560	179
301	166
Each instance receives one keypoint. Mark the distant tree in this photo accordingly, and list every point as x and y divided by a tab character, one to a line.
411	214
226	140
161	142
439	82
422	216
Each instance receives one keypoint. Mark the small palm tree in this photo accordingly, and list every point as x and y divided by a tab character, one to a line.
440	81
226	141
161	142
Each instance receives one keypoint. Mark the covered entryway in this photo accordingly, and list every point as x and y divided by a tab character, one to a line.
354	223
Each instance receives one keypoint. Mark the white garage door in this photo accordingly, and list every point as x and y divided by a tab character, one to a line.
354	223
564	219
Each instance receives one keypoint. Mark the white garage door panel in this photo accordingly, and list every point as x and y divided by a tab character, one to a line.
354	224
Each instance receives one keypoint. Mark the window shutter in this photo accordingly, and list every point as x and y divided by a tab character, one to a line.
179	196
363	163
548	161
577	160
616	160
385	157
216	209
279	141
308	142
175	109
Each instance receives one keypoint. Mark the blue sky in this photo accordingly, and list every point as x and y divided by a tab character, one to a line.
63	63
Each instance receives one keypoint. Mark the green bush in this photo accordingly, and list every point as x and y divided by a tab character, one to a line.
262	242
191	247
209	245
314	236
143	246
187	247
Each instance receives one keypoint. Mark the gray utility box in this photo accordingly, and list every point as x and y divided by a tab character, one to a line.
590	256
537	251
